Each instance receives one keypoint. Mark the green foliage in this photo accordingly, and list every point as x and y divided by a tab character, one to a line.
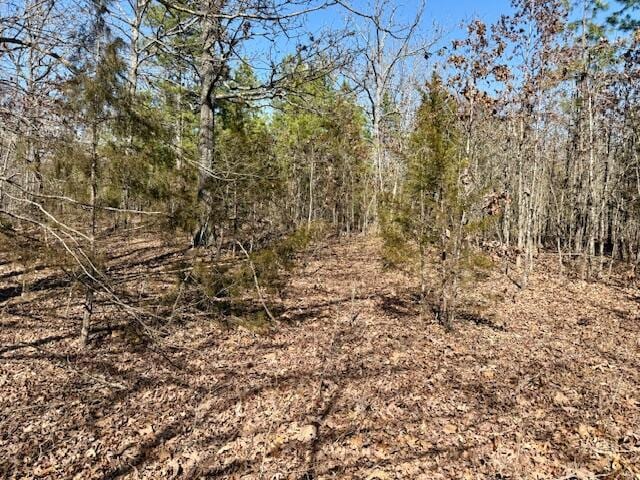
624	17
234	278
432	201
272	262
438	211
321	140
398	251
136	164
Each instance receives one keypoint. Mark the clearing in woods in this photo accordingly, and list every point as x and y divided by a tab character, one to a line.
351	383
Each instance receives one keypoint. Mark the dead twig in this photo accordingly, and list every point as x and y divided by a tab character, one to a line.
257	284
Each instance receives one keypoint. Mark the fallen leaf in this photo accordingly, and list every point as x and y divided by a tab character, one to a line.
43	472
225	448
449	428
583	430
164	454
488	374
356	442
378	475
306	433
560	399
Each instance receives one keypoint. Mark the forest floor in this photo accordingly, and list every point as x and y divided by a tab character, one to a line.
350	384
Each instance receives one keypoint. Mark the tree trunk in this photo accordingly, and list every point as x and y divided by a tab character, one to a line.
93	195
210	70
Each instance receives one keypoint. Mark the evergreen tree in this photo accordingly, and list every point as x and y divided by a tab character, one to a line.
624	17
438	211
322	149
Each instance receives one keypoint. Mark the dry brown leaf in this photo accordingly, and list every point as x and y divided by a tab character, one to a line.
583	430
357	442
379	474
449	428
488	374
104	422
560	398
43	472
306	433
225	448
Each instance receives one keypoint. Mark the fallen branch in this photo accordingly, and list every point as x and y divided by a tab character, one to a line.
257	284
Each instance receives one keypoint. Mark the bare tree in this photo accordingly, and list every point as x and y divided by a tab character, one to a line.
389	48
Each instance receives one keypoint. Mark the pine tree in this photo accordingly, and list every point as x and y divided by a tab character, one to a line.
438	212
322	149
623	18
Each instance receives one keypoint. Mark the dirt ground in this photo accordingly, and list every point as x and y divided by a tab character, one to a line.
351	384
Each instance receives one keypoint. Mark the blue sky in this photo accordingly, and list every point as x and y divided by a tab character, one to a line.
449	13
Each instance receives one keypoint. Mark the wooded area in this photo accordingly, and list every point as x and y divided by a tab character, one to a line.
197	196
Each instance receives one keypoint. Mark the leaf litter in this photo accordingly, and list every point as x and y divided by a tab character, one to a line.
351	384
